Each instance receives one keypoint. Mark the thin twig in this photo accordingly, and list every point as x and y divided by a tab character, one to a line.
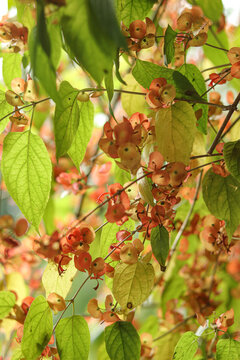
224	124
215	67
230	127
201	166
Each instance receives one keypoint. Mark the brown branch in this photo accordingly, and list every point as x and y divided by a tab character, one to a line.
224	124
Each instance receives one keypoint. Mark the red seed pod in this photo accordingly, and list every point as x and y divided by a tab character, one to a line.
97	265
137	29
26	303
56	302
93	309
83	261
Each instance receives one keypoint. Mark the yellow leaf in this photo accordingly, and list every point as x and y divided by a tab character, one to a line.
132	284
175	131
53	282
133	103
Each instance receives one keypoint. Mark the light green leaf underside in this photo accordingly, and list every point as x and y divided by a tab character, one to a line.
27	172
53	282
130	10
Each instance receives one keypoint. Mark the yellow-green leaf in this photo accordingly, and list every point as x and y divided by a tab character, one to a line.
228	349
7	301
38	328
11	67
73	338
175	131
53	282
132	284
27	173
133	103
5	108
186	347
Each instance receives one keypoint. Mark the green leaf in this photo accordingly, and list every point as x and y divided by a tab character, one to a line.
122	341
38	328
117	65
175	131
48	216
108	79
106	20
231	153
144	72
130	10
160	244
44	67
5	108
186	347
42	33
83	134
222	197
95	54
169	49
194	75
7	301
27	172
221	41
60	284
17	354
73	338
132	284
66	119
11	67
228	349
121	176
212	10
133	103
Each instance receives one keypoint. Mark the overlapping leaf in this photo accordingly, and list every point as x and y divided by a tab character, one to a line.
130	10
186	347
222	197
27	172
133	103
11	67
175	130
228	349
231	152
38	328
7	301
83	133
5	108
194	75
145	71
60	284
169	39
73	338
66	119
122	341
160	244
132	284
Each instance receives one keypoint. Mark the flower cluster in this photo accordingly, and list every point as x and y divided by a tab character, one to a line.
140	35
108	314
15	34
73	181
193	22
160	94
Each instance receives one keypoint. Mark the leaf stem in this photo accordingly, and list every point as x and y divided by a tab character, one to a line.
216	47
215	67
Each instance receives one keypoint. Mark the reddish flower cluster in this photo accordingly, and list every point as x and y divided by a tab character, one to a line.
108	315
140	34
124	139
196	26
73	181
213	235
15	34
160	94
